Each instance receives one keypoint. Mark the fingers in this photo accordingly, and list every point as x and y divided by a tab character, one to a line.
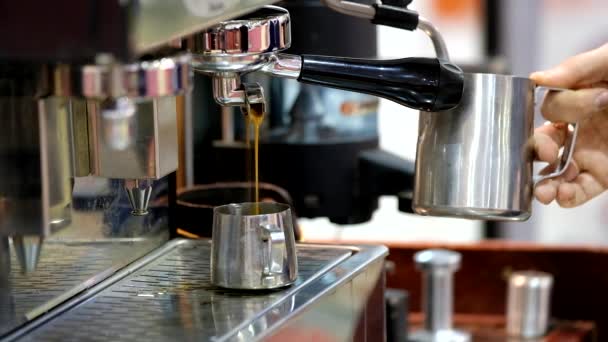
547	190
593	162
584	188
584	69
547	141
574	105
572	171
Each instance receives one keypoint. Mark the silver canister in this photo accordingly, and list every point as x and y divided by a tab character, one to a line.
528	304
475	161
253	246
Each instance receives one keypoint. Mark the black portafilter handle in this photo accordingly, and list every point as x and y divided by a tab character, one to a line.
427	84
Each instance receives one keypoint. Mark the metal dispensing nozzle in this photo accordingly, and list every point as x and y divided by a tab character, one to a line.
139	196
27	248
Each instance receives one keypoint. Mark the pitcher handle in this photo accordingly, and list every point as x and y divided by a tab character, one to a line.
274	239
569	144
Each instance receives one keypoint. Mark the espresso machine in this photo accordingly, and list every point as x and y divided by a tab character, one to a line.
100	135
97	108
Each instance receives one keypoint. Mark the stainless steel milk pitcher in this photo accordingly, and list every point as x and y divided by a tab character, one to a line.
253	246
475	161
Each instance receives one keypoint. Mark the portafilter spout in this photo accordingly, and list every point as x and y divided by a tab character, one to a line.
254	42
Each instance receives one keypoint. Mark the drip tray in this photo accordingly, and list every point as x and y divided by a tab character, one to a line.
64	270
168	295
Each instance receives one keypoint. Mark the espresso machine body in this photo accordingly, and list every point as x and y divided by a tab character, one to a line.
98	131
94	141
88	146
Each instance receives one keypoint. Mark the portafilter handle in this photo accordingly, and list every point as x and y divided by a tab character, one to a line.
427	84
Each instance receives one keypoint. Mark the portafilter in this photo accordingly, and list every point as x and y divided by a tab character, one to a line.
254	43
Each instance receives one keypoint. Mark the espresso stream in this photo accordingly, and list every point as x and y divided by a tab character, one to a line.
255	115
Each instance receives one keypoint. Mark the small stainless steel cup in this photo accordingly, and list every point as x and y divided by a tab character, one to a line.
253	247
475	161
528	304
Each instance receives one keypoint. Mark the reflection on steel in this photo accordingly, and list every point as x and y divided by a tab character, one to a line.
172	286
227	90
151	151
79	138
117	123
244	44
284	65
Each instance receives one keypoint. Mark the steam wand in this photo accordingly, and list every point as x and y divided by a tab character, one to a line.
393	16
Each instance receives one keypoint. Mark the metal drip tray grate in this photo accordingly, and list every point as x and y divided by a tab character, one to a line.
64	270
170	296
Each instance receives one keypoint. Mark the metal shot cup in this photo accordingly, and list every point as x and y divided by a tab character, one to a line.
253	246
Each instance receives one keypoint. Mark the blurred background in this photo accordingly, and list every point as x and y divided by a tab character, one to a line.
522	35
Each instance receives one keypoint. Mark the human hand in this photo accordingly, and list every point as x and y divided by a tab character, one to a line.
587	175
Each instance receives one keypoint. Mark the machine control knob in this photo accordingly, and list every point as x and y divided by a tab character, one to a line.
438	267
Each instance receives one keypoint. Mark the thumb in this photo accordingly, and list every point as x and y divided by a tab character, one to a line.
574	105
581	70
